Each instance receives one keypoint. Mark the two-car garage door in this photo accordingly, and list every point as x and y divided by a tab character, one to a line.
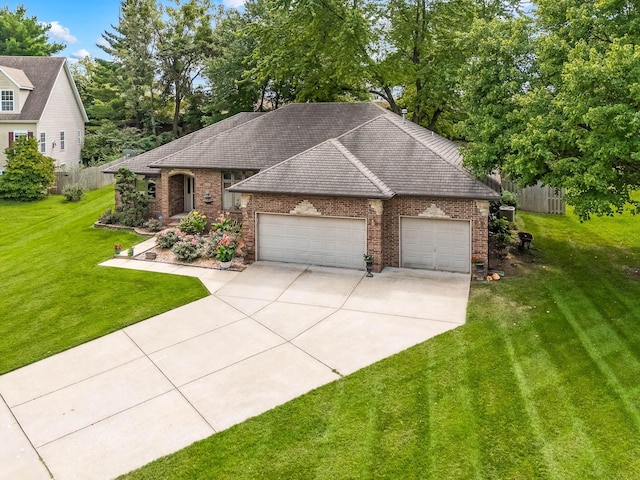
425	243
328	241
435	244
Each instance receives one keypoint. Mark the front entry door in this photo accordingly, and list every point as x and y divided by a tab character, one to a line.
189	193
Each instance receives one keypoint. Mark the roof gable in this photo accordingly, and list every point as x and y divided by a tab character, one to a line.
326	169
42	73
18	77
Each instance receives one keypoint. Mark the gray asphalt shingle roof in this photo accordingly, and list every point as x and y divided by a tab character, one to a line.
274	137
404	158
335	149
327	169
41	73
142	164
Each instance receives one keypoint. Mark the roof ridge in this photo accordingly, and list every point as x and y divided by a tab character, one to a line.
362	168
204	139
394	119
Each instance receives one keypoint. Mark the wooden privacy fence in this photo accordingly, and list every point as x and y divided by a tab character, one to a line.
90	178
538	199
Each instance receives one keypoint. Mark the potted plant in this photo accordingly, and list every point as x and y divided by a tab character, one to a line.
225	251
118	248
479	263
368	261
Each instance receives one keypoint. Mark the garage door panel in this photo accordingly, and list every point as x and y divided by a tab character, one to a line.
328	241
435	244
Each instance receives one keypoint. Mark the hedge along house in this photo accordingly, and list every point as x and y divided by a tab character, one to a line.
325	183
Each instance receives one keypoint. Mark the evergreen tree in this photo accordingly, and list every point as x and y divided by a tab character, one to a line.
28	173
22	35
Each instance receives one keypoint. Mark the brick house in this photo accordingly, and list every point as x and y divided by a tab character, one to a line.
325	183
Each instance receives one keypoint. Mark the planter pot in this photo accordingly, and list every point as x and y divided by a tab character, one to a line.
369	266
225	265
117	250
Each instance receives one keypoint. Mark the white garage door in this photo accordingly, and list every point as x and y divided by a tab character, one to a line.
328	241
435	244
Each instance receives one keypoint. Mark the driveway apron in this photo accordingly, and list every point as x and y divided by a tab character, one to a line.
263	337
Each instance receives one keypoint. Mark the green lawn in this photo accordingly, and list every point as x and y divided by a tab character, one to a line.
542	382
53	293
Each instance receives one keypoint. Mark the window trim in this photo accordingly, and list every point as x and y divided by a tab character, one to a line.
236	176
43	142
2	100
62	141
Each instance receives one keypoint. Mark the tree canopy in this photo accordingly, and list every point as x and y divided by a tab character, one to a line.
566	110
23	35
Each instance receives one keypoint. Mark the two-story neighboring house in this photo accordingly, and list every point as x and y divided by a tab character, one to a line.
39	98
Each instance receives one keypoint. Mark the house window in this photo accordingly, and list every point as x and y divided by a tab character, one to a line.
231	201
19	133
62	141
6	100
79	137
43	143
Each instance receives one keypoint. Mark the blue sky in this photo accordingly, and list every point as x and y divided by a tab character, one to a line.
78	24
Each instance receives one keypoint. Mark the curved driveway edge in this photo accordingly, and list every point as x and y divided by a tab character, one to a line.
264	337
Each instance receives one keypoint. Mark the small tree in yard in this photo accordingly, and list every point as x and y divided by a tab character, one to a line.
133	210
28	173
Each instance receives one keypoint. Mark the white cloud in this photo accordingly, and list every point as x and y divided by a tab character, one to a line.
233	3
80	54
58	32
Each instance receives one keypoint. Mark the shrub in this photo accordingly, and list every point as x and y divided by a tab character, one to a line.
154	225
212	243
133	210
73	192
28	173
193	223
108	217
168	237
188	248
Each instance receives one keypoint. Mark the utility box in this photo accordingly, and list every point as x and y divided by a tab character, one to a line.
508	212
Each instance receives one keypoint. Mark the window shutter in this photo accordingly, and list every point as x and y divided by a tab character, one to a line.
30	134
10	139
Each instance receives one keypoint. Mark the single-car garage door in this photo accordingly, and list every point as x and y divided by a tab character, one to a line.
328	241
435	244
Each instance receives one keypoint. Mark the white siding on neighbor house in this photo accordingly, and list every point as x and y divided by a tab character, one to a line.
62	114
4	136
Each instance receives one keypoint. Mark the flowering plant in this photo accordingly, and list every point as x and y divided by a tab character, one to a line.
194	222
226	249
477	260
225	223
117	246
188	248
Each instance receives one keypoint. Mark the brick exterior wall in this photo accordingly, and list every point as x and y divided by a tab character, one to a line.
383	224
208	192
446	208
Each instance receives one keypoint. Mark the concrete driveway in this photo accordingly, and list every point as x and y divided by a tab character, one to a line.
264	337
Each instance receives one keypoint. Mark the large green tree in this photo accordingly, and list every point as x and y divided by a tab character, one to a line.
133	44
321	49
575	121
28	173
23	35
185	43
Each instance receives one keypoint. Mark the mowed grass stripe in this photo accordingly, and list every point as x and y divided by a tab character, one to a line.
54	294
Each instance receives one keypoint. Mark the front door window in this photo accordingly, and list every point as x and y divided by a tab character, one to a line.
189	193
